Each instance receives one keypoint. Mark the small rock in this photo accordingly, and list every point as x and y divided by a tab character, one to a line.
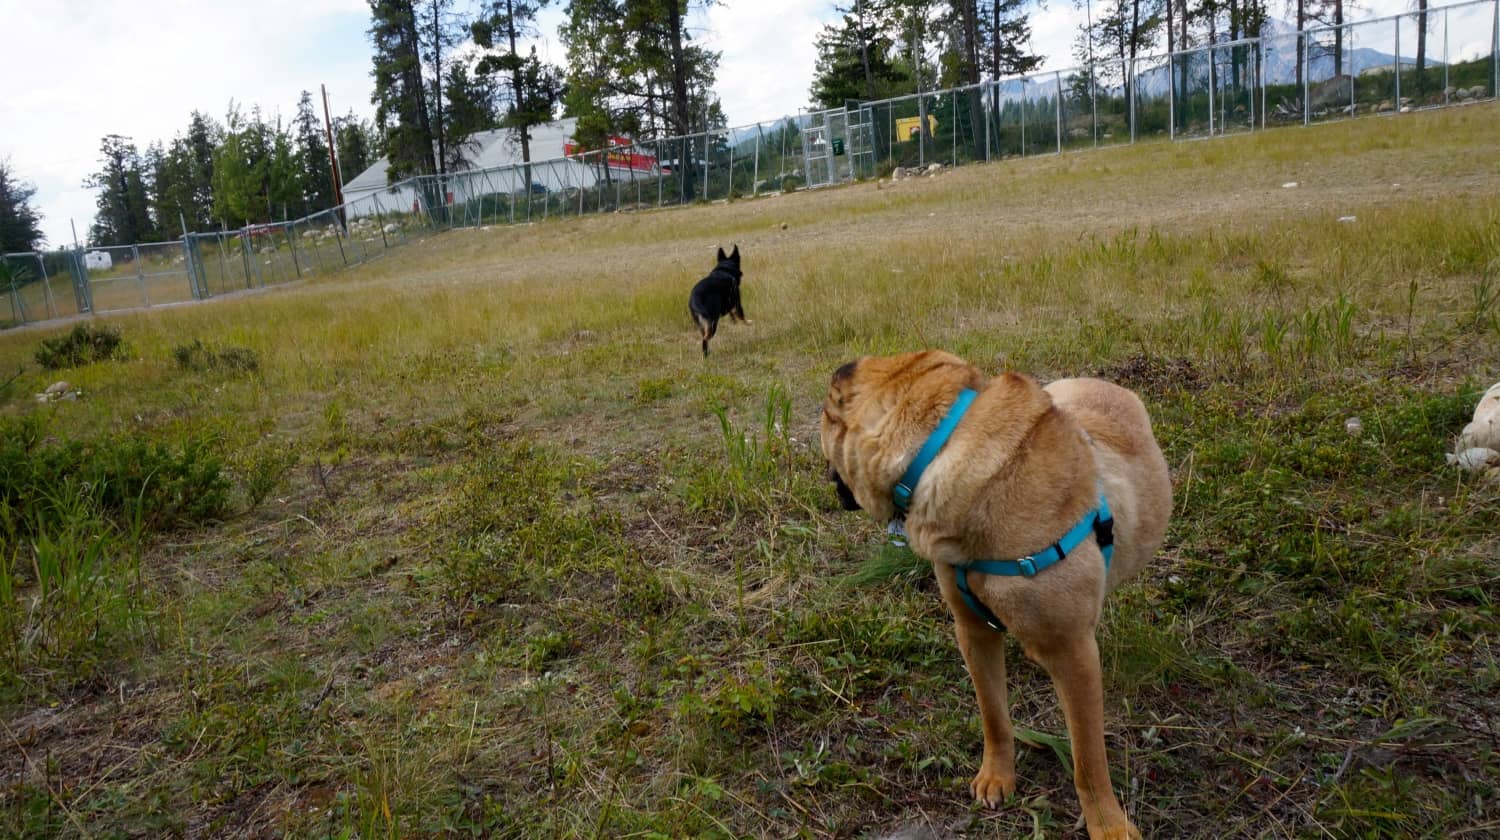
1354	427
1347	219
783	225
1289	185
59	387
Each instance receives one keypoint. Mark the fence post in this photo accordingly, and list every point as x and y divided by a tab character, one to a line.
1212	66
755	176
140	275
47	298
1058	101
1397	68
1304	55
994	98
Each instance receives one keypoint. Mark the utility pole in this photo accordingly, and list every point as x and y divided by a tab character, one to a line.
333	161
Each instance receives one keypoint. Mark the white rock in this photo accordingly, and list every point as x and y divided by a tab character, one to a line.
59	387
1346	219
1353	426
1289	185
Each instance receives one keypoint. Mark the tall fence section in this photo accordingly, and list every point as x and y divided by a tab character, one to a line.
1442	57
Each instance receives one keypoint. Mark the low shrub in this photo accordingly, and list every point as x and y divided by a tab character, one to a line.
200	357
85	344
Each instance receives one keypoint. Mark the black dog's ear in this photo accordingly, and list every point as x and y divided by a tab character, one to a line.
735	255
721	254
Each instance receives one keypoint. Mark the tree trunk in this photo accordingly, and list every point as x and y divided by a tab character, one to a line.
416	89
437	89
518	91
1338	37
971	75
864	50
1129	69
680	115
1421	46
1302	50
1235	53
1183	45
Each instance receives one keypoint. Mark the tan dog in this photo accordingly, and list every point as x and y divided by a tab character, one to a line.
1023	466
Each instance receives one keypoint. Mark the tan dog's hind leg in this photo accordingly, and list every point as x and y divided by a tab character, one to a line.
1074	667
984	653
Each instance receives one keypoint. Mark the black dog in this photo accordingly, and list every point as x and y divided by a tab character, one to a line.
717	295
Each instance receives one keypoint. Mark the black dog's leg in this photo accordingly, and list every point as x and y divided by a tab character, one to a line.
739	312
708	332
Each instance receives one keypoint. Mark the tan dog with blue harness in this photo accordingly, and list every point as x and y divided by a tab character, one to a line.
1014	493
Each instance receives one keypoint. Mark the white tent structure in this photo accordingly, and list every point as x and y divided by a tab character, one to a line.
494	167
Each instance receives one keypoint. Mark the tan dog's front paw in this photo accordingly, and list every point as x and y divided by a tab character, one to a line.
1117	831
992	787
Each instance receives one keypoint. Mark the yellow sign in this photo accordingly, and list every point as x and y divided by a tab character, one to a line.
907	127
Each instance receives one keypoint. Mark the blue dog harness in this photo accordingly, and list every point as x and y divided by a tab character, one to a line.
1098	522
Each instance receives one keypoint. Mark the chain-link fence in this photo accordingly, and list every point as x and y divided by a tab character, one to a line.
1440	57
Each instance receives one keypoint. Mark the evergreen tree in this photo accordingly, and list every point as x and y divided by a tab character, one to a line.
357	143
471	109
599	90
123	215
315	172
857	58
532	88
1005	30
400	97
20	223
256	172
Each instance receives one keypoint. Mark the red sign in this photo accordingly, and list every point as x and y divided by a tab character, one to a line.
616	158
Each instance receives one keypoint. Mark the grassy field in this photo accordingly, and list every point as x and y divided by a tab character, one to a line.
479	544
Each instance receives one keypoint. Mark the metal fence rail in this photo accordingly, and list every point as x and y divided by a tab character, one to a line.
1293	78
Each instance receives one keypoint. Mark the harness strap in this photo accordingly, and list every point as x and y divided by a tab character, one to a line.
901	493
1098	522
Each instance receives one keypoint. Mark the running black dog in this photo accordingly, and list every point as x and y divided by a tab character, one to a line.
717	295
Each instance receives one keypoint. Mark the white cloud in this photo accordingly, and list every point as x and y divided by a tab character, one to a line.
767	55
77	71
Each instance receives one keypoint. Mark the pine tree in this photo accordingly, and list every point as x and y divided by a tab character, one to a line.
471	109
123	215
315	173
20	223
857	58
400	97
357	142
532	88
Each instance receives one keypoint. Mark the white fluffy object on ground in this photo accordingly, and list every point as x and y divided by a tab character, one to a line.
1485	430
1475	458
1478	448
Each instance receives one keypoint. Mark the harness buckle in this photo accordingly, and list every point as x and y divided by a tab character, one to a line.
1027	566
901	495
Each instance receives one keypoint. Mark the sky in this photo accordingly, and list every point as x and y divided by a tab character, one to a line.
77	70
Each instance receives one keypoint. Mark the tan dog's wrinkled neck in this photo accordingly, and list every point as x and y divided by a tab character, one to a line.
998	501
